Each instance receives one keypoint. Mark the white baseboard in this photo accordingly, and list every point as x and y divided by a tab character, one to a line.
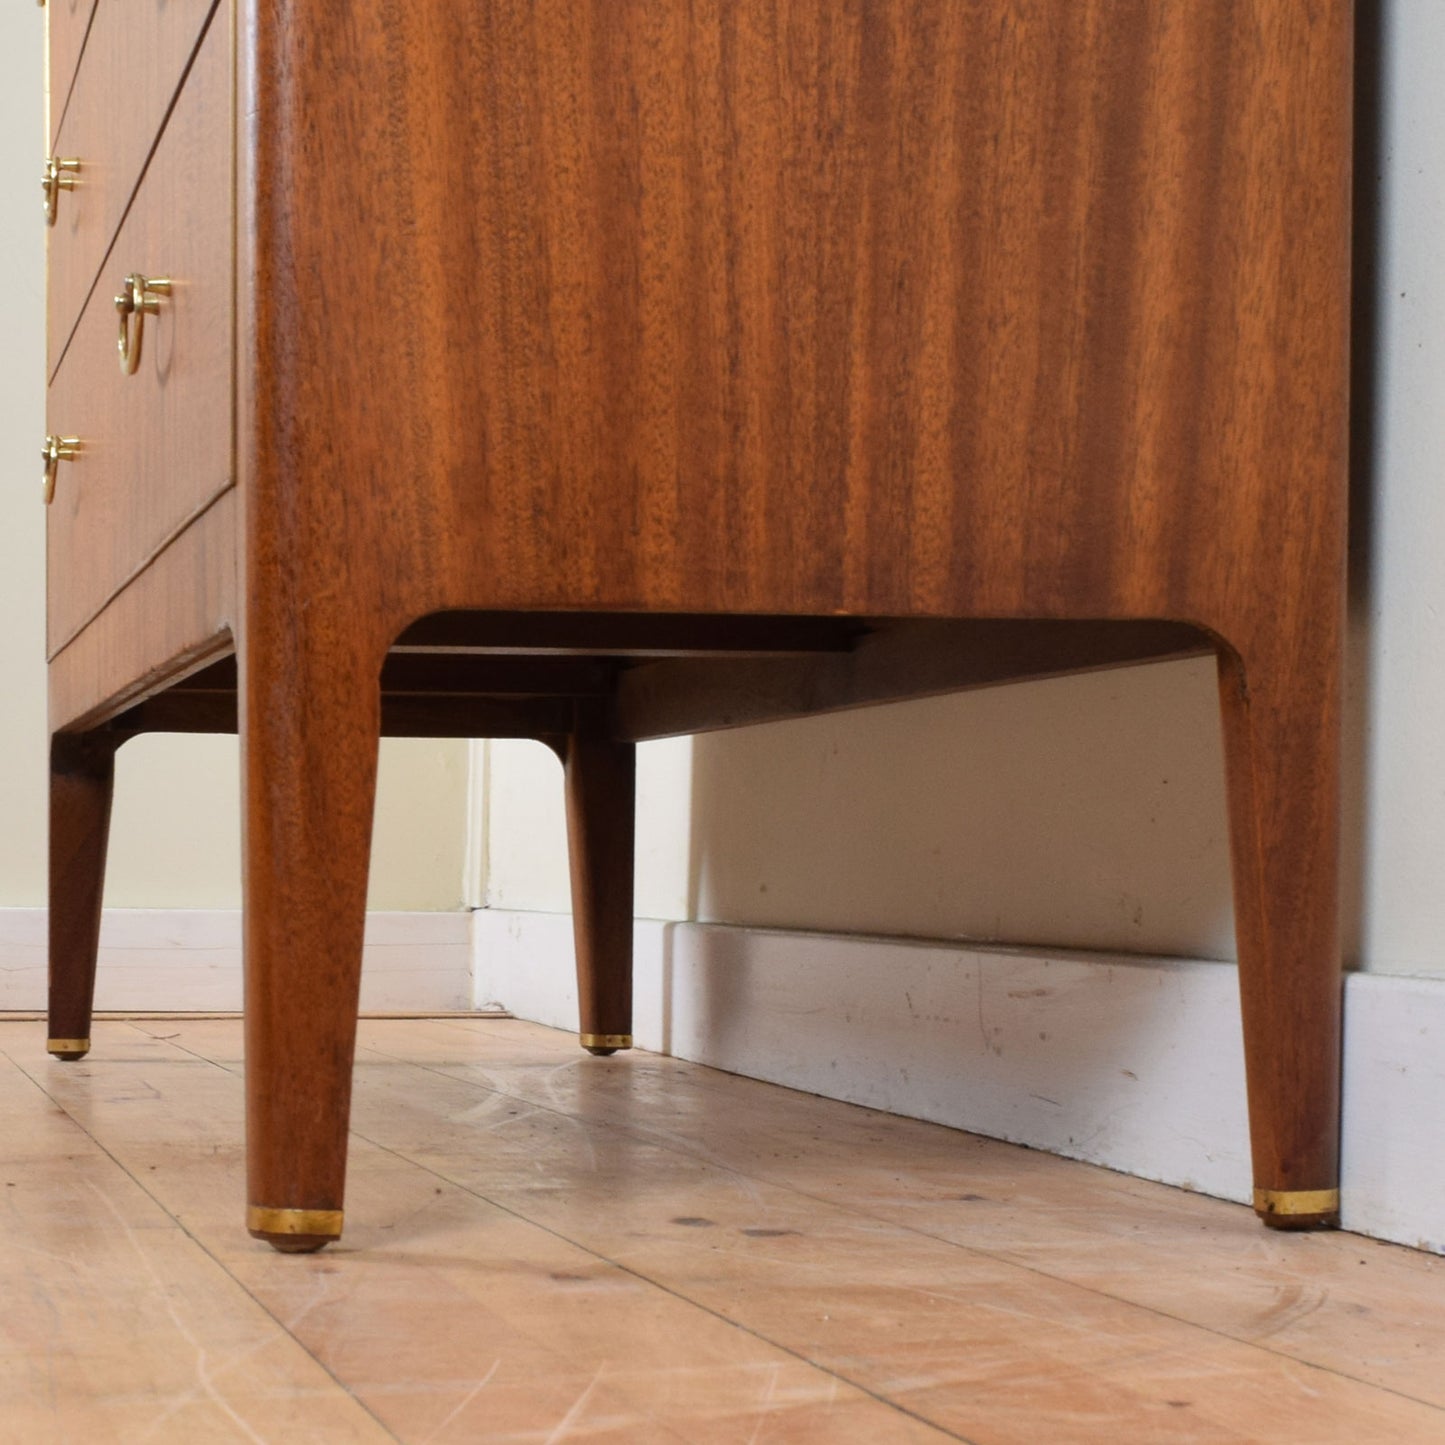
1133	1063
190	960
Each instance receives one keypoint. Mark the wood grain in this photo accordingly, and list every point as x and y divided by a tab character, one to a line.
310	723
481	1325
769	1233
920	309
1342	1304
66	24
82	781
1282	765
601	785
123	1327
157	446
517	1206
905	660
137	54
173	618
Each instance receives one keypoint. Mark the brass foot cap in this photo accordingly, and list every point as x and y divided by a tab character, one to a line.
67	1049
604	1044
1298	1208
294	1231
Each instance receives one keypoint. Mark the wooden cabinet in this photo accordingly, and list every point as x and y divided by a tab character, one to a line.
601	371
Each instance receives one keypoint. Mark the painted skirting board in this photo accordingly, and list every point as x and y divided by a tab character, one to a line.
1394	1144
1133	1063
190	960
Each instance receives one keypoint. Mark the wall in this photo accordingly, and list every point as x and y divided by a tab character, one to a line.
1400	526
1083	812
176	831
22	520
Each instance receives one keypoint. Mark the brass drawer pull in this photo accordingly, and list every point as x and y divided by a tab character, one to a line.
140	298
59	176
57	450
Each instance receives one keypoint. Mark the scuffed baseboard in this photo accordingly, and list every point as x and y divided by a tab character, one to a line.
190	961
1132	1063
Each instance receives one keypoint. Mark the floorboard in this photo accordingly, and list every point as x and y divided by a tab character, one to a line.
543	1246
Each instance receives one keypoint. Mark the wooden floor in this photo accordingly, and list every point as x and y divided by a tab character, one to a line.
543	1246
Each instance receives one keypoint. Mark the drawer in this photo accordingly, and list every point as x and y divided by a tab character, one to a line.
156	446
134	59
66	22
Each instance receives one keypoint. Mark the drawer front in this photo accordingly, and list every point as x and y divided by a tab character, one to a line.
66	22
134	58
156	446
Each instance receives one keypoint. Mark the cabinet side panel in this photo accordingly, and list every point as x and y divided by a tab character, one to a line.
1029	308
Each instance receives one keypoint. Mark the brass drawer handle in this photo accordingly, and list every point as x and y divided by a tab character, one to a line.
59	176
57	450
140	298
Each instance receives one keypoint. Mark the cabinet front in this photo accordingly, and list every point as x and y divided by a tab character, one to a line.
142	396
136	53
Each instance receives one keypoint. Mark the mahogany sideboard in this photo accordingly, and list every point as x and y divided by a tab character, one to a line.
597	370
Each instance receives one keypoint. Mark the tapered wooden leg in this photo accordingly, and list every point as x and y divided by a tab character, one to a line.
310	721
1282	745
82	775
601	784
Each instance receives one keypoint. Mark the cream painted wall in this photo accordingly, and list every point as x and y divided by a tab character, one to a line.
176	833
22	413
1401	577
176	830
523	862
1090	811
1083	812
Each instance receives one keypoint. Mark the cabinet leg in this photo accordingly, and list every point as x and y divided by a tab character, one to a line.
82	776
1282	741
310	729
601	783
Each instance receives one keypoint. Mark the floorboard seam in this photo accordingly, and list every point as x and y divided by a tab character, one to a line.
181	1048
461	1074
220	1264
611	1263
667	1289
857	1212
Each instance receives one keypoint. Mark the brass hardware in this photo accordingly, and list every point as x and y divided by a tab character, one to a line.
59	176
140	298
604	1043
69	1049
1288	1203
56	450
261	1220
